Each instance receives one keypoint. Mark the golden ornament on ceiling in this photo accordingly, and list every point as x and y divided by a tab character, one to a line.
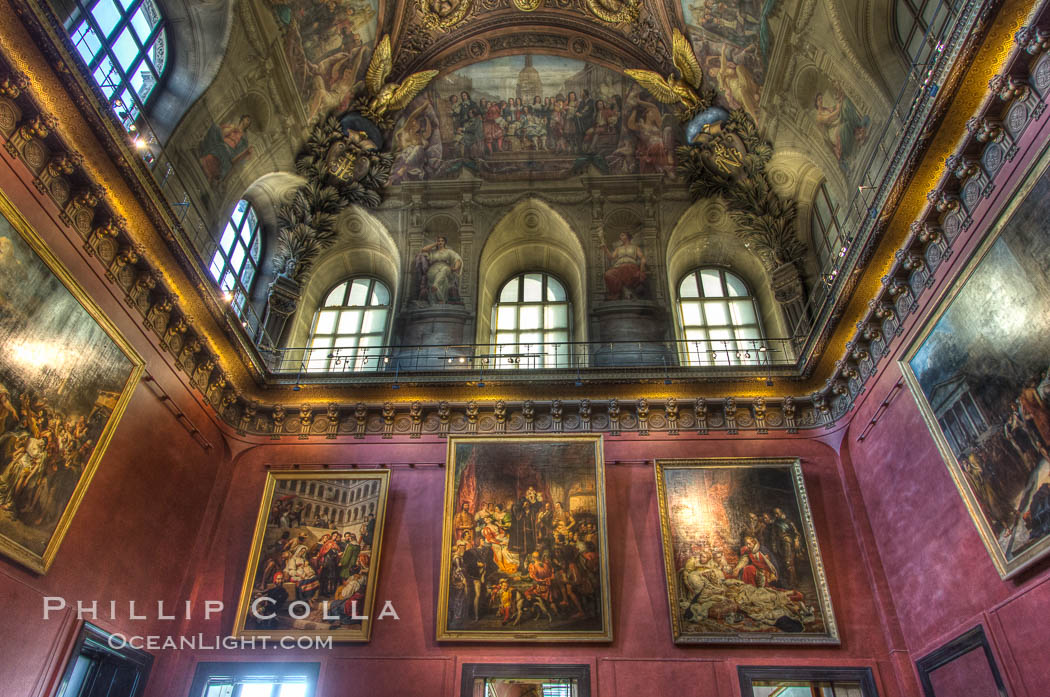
683	91
528	5
443	15
390	97
615	11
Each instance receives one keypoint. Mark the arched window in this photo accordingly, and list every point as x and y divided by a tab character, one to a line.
531	323
828	239
920	24
125	49
235	263
350	326
719	319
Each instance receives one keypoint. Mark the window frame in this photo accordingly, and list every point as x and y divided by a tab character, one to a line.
704	357
749	674
519	359
581	673
95	643
240	296
233	671
827	251
83	18
919	26
354	362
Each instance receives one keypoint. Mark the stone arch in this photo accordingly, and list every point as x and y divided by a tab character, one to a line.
364	247
705	235
532	236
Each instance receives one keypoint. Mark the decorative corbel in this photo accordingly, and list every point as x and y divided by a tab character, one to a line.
388	419
700	410
333	420
361	417
643	416
278	421
528	413
415	412
671	414
729	409
758	407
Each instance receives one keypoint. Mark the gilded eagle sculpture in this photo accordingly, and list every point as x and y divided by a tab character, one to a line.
386	98
686	91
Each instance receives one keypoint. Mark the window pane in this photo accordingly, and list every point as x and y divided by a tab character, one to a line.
335	298
533	287
505	339
237	257
555	290
375	321
289	690
350	321
556	316
228	236
697	335
107	79
216	266
142	24
326	322
358	292
736	287
533	338
87	42
719	336
380	294
125	49
256	689
717	313
530	317
506	317
238	211
691	314
711	280
743	311
247	275
509	294
688	289
107	15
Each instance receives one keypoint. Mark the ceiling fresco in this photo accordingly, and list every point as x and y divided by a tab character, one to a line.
536	117
325	45
733	42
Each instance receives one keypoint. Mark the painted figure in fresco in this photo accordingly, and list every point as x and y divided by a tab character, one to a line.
735	81
438	269
843	128
625	276
224	146
787	545
417	143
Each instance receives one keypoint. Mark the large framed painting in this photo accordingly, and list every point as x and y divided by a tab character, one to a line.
524	550
66	375
741	555
314	557
979	370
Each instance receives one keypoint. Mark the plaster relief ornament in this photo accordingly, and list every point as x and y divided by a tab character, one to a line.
386	98
443	15
686	91
613	11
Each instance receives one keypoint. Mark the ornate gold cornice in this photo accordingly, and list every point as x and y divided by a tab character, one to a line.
81	161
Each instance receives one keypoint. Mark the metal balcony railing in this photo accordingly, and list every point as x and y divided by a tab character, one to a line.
753	356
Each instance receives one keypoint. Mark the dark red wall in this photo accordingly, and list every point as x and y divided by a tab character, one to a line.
940	576
640	660
137	524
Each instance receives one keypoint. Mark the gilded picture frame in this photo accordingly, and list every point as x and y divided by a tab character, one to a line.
66	376
315	556
741	557
524	553
979	371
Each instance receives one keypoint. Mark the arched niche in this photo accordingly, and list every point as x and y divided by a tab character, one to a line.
532	237
880	35
364	247
705	235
